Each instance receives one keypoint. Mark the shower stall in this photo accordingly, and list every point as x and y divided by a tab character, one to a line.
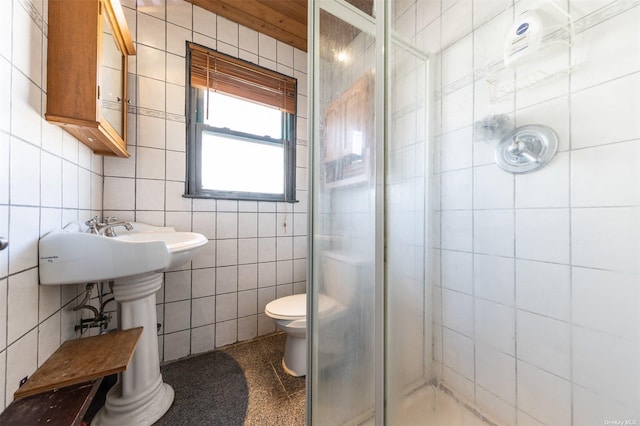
444	288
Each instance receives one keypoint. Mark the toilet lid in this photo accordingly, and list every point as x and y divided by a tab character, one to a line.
292	307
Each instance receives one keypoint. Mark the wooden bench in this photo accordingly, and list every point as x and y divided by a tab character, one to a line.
61	390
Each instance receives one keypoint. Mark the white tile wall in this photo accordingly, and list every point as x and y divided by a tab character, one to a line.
553	254
47	179
214	300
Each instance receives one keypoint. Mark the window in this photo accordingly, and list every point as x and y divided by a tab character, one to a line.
241	129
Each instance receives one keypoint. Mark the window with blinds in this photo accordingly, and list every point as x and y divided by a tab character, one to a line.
241	129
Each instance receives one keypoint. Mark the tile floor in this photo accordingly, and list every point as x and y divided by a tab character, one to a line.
242	384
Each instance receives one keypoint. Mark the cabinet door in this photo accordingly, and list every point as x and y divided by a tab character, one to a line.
113	101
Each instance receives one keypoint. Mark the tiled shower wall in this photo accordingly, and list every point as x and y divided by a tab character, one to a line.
47	179
536	317
257	250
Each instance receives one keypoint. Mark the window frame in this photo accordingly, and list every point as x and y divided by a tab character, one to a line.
196	129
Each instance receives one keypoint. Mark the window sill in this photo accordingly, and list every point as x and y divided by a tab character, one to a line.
240	198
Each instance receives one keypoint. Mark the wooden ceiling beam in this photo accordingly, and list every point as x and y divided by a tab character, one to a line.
262	17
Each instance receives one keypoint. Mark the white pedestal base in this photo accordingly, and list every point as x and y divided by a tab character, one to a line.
140	397
294	361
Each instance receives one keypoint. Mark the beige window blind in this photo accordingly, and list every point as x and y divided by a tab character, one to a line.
235	77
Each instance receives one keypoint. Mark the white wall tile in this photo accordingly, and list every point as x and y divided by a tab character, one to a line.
177	286
226	307
547	187
457	353
601	102
492	188
22	304
499	409
174	199
284	272
203	282
226	333
23	361
247	276
608	50
543	234
593	408
604	364
26	109
496	372
606	238
177	316
150	163
247	225
247	327
151	62
493	278
119	193
544	288
596	294
25	173
150	31
494	325
151	94
457	152
176	345
204	22
149	194
4	167
7	26
227	31
543	396
620	163
207	256
456	190
151	132
27	45
458	383
457	60
457	271
457	230
247	250
493	232
545	343
23	235
204	223
179	13
247	302
203	311
48	337
284	248
457	312
456	22
203	339
226	279
457	109
227	225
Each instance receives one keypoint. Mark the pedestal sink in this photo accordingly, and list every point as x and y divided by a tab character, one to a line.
134	260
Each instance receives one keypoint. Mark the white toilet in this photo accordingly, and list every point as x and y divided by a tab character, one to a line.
290	312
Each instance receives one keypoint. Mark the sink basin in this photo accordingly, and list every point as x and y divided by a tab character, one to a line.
68	257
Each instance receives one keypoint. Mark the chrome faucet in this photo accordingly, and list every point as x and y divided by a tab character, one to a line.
106	228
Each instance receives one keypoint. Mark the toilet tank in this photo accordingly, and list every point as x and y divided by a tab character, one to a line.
340	275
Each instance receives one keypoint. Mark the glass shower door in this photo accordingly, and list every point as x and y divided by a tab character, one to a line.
344	219
370	341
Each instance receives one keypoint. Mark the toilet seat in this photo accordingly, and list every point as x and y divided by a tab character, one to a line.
288	308
295	307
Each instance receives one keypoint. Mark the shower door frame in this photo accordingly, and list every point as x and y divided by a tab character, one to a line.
380	28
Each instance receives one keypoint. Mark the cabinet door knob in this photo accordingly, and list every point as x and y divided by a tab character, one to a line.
3	243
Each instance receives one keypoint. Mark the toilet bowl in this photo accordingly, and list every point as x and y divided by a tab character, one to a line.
340	277
290	316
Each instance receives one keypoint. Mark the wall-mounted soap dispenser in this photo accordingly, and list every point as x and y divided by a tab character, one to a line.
536	46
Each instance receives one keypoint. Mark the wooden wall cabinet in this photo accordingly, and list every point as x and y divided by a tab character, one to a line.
88	46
